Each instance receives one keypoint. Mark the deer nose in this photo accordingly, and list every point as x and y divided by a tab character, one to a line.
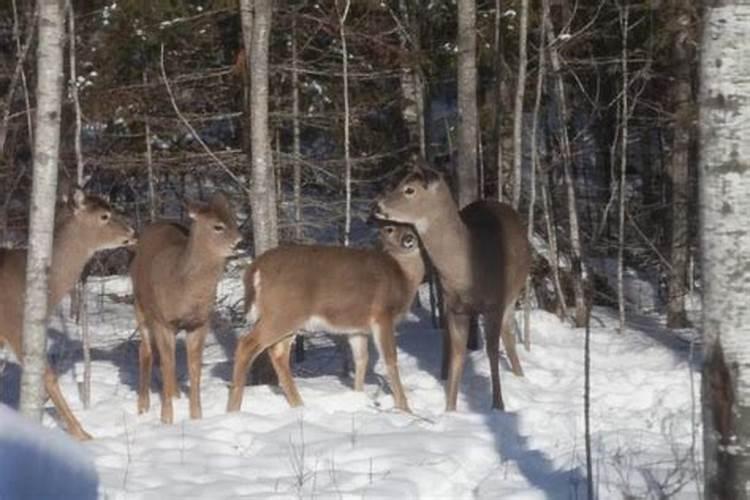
377	211
131	239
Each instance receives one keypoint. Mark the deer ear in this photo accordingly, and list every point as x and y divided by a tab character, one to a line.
76	199
192	208
219	200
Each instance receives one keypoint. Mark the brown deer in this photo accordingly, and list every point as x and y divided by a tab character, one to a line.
482	257
84	226
340	290
175	273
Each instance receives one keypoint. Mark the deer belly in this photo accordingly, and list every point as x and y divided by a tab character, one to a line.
317	323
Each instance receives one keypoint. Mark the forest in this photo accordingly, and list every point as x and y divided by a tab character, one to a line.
500	246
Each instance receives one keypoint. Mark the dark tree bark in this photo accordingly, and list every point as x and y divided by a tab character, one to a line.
682	106
468	118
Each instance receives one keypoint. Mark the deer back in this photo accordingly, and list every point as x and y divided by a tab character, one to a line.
342	288
501	255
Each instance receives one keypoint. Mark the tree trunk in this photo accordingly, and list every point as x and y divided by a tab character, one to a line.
347	142
624	21
541	70
466	168
500	99
725	248
263	200
518	109
256	31
412	79
682	105
42	214
296	144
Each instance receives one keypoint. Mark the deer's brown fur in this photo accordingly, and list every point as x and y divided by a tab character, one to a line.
175	273
84	226
482	257
341	290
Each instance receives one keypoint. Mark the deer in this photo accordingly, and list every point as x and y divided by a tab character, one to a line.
342	290
85	225
482	257
175	273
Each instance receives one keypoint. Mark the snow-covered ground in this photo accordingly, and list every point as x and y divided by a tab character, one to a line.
344	444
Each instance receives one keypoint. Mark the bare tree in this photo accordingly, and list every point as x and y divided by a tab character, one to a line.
46	149
468	118
343	12
624	13
566	154
682	107
518	109
296	144
725	247
256	31
500	97
80	290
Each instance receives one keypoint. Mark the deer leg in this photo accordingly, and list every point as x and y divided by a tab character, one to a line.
145	362
509	340
195	341
248	348
492	336
458	330
445	364
385	340
165	343
71	422
360	354
279	354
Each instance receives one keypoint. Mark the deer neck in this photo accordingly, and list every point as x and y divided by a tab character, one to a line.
447	242
198	265
413	269
70	252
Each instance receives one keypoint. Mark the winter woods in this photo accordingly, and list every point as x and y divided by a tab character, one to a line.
611	127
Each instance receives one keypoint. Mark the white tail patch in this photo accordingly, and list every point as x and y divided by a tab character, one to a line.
253	312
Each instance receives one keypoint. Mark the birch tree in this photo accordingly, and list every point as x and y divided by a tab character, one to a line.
468	118
256	33
725	247
255	17
42	213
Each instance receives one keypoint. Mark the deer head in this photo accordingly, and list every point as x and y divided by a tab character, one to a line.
214	225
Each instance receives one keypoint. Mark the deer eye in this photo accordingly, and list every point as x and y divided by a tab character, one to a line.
409	190
389	229
219	228
104	217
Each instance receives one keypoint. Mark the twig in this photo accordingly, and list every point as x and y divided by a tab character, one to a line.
192	130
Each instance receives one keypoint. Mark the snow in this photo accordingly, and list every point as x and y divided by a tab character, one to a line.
344	444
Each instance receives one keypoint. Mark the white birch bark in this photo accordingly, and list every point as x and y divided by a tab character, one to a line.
42	214
263	197
725	247
347	154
